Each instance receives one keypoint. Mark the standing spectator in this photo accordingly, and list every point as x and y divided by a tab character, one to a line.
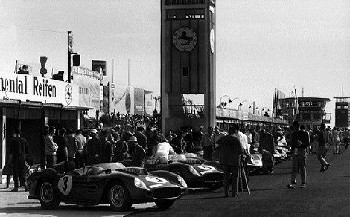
197	138
244	141
267	149
151	135
336	140
106	147
120	152
17	153
138	155
50	148
323	139
314	142
163	150
188	139
127	133
93	149
208	142
72	145
266	141
217	135
177	143
249	135
346	138
81	141
230	149
300	141
141	137
61	141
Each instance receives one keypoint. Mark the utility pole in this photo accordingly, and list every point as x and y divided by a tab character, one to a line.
129	82
70	50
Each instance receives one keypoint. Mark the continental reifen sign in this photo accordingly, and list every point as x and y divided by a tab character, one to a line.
36	88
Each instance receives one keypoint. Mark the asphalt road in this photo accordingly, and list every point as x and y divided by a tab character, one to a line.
327	194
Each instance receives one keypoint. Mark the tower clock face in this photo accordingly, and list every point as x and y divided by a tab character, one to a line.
212	40
185	39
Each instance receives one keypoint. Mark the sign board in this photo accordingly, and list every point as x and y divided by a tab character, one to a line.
98	65
37	88
88	82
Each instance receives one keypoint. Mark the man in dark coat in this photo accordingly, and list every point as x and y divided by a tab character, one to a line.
230	150
138	154
61	141
300	140
93	149
106	154
18	149
141	137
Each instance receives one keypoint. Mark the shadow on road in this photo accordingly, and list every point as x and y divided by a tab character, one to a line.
265	189
67	210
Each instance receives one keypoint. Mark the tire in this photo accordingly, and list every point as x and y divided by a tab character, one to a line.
48	196
165	204
118	197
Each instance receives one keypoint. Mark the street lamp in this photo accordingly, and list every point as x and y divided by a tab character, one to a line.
241	104
224	104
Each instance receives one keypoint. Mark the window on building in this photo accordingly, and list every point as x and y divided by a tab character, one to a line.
317	116
183	2
306	116
185	72
185	14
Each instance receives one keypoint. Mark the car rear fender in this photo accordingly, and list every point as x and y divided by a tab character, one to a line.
49	174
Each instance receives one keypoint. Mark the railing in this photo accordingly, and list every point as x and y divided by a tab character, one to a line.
245	116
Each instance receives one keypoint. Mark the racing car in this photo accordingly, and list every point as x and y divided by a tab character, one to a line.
254	162
195	175
105	183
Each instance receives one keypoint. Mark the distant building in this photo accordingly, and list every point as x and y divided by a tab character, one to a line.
342	112
309	111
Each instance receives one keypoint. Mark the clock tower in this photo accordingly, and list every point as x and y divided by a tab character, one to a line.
187	63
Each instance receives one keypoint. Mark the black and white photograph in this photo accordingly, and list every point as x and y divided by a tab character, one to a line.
177	108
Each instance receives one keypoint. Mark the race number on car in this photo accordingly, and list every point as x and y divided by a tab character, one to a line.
65	184
156	180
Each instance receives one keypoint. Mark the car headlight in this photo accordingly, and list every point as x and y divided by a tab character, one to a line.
140	184
194	171
181	181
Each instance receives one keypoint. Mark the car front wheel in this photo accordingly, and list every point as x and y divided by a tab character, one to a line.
48	196
119	198
165	204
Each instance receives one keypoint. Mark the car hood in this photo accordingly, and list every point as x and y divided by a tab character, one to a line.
204	169
152	181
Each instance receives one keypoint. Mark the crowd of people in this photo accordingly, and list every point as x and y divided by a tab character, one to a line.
133	142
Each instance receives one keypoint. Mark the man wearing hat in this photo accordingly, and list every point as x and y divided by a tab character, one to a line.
138	154
93	149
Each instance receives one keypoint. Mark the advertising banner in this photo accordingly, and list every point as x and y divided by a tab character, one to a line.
89	87
120	99
37	88
139	101
149	103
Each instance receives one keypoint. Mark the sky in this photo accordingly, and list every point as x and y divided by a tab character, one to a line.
261	44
